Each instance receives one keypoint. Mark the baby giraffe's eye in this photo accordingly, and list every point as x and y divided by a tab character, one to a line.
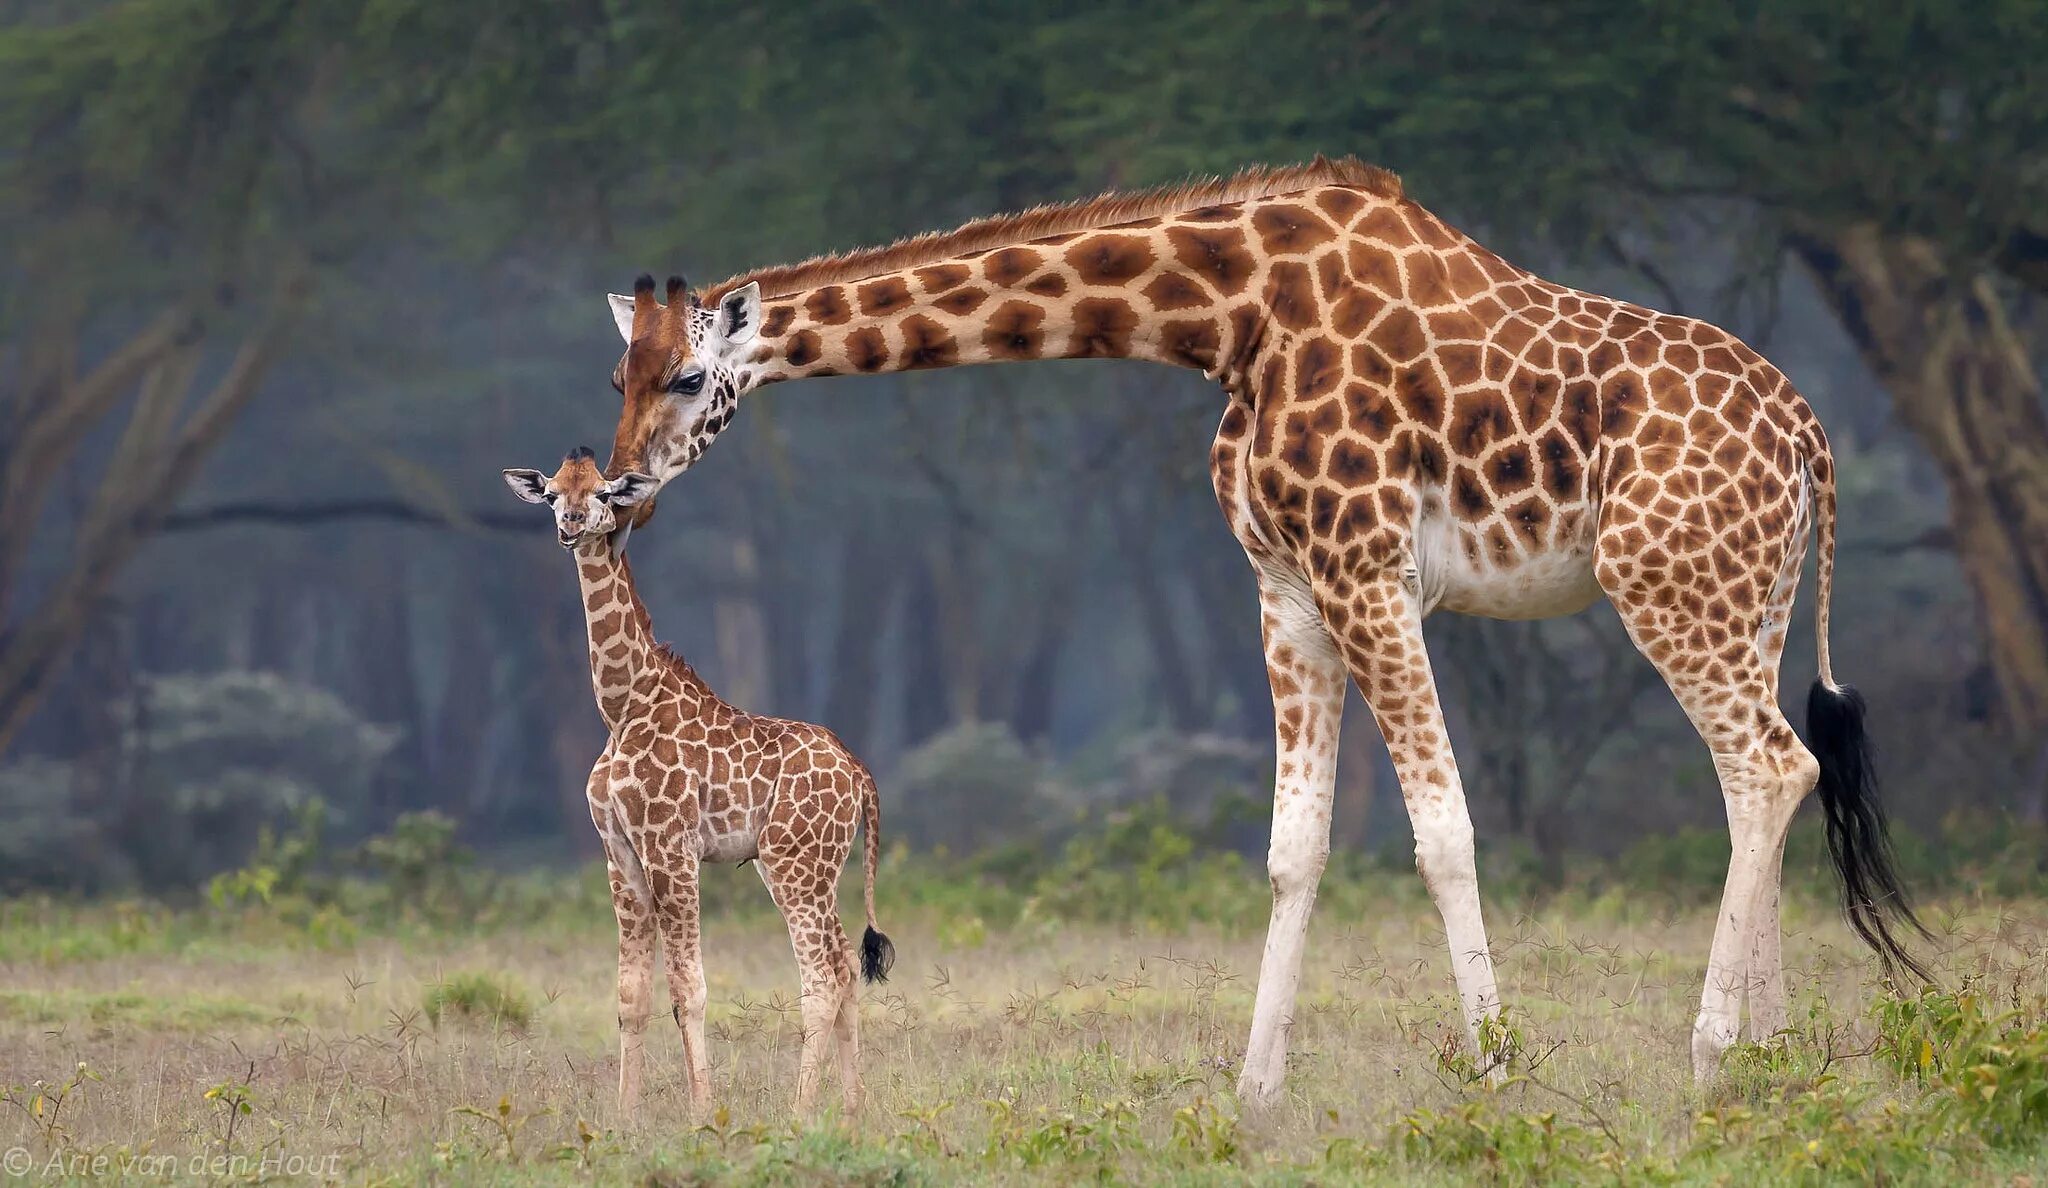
603	496
688	383
549	496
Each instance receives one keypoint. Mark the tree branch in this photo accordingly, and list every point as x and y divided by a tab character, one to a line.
311	515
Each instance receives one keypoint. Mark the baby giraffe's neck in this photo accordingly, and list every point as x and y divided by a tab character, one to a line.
622	646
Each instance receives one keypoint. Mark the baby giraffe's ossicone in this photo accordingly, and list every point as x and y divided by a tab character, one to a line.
686	778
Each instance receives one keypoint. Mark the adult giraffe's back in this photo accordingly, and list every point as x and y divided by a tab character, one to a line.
1411	422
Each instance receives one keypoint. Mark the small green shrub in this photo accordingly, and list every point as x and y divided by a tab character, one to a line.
1991	1064
477	998
1507	1147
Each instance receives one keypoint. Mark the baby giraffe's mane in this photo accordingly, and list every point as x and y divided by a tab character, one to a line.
666	656
1083	214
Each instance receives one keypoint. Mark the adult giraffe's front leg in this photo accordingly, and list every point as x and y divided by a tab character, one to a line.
1381	629
1308	707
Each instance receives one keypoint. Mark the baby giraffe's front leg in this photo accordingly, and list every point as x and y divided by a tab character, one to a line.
634	907
674	879
636	982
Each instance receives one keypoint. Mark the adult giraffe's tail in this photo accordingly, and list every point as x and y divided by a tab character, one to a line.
876	953
1858	839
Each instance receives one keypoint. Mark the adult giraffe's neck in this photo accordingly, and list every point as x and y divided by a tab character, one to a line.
622	644
1181	295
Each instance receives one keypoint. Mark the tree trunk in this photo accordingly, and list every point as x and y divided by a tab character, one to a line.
1941	341
385	689
1175	676
1358	763
855	678
956	599
1032	699
155	456
744	670
924	666
462	722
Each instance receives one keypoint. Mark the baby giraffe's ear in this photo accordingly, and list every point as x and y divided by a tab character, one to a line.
631	488
530	485
622	313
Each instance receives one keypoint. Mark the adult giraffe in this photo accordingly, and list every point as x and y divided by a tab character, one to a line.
1412	422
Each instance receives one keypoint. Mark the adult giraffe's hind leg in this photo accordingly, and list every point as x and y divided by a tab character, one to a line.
1708	653
1308	706
1766	976
1381	632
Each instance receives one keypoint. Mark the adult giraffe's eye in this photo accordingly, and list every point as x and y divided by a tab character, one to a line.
549	496
688	383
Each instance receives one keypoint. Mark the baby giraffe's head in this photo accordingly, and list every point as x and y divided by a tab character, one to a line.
583	499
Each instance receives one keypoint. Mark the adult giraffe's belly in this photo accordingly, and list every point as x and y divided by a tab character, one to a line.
1486	569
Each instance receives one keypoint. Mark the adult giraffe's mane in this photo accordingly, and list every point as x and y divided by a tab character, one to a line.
1082	214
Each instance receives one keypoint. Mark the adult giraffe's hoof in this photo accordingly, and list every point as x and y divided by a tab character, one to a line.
1710	1038
1258	1093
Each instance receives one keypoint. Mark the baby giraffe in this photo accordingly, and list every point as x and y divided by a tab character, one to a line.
687	778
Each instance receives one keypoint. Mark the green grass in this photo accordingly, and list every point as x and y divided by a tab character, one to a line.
1040	1046
131	1010
477	998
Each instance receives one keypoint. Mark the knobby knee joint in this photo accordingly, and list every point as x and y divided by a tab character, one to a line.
1296	868
1445	853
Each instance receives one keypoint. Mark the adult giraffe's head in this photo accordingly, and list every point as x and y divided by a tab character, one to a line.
682	373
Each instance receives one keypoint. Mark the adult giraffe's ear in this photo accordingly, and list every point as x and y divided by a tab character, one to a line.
530	485
622	313
631	488
738	317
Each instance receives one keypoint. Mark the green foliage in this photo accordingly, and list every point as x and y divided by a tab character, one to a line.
420	865
1821	1134
43	1102
1990	1063
50	840
970	787
1138	866
477	998
232	1101
1501	1146
505	1125
217	760
209	772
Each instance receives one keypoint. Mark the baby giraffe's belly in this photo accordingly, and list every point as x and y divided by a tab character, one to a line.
726	828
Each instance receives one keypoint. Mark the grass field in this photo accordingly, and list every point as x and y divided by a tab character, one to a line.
288	1043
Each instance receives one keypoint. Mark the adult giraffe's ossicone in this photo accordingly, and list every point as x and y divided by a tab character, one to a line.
1411	422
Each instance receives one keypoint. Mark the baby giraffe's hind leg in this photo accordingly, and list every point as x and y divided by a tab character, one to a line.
848	1028
803	878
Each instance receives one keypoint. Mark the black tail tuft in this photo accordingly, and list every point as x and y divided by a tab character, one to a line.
876	956
1857	837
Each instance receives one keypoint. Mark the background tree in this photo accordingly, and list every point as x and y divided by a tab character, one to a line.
299	280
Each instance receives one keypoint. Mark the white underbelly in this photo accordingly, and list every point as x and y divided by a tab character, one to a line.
1542	584
1539	587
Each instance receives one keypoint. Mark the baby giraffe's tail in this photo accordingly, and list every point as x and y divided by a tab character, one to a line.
876	953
